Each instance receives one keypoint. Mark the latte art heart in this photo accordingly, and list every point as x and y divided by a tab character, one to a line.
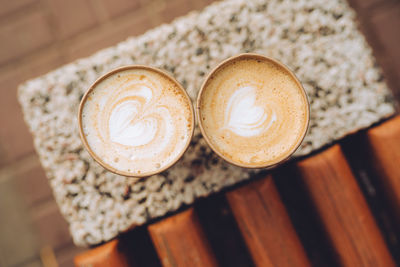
253	111
137	121
129	123
126	128
244	117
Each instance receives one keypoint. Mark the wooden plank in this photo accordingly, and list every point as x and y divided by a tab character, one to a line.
105	255
357	153
384	143
180	241
220	226
265	225
343	210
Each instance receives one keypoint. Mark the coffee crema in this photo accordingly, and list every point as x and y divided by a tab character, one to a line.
253	111
136	121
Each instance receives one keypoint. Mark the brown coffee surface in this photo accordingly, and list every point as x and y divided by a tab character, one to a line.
137	121
253	112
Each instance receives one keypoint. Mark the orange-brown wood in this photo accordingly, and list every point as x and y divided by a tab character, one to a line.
180	241
343	210
265	225
384	142
102	256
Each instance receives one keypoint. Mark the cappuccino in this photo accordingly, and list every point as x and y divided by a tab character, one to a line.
136	121
253	111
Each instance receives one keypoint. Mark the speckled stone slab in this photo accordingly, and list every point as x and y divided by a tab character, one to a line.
317	39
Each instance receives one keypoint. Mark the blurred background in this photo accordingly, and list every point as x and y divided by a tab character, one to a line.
37	36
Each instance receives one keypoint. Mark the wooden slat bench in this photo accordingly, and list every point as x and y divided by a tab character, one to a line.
354	237
343	210
180	241
108	254
265	225
384	143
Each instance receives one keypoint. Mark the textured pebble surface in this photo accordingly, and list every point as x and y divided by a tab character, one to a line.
317	39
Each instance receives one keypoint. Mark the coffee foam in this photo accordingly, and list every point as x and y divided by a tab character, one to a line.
243	117
253	112
137	121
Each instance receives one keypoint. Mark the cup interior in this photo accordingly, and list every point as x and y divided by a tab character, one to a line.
93	87
199	113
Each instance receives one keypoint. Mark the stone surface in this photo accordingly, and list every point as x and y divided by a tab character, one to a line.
318	40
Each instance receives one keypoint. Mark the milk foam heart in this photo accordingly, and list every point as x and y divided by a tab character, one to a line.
127	128
253	111
137	121
129	124
244	117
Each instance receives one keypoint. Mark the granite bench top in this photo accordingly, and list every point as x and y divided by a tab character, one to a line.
318	40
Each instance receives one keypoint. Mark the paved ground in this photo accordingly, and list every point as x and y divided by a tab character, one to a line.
40	35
